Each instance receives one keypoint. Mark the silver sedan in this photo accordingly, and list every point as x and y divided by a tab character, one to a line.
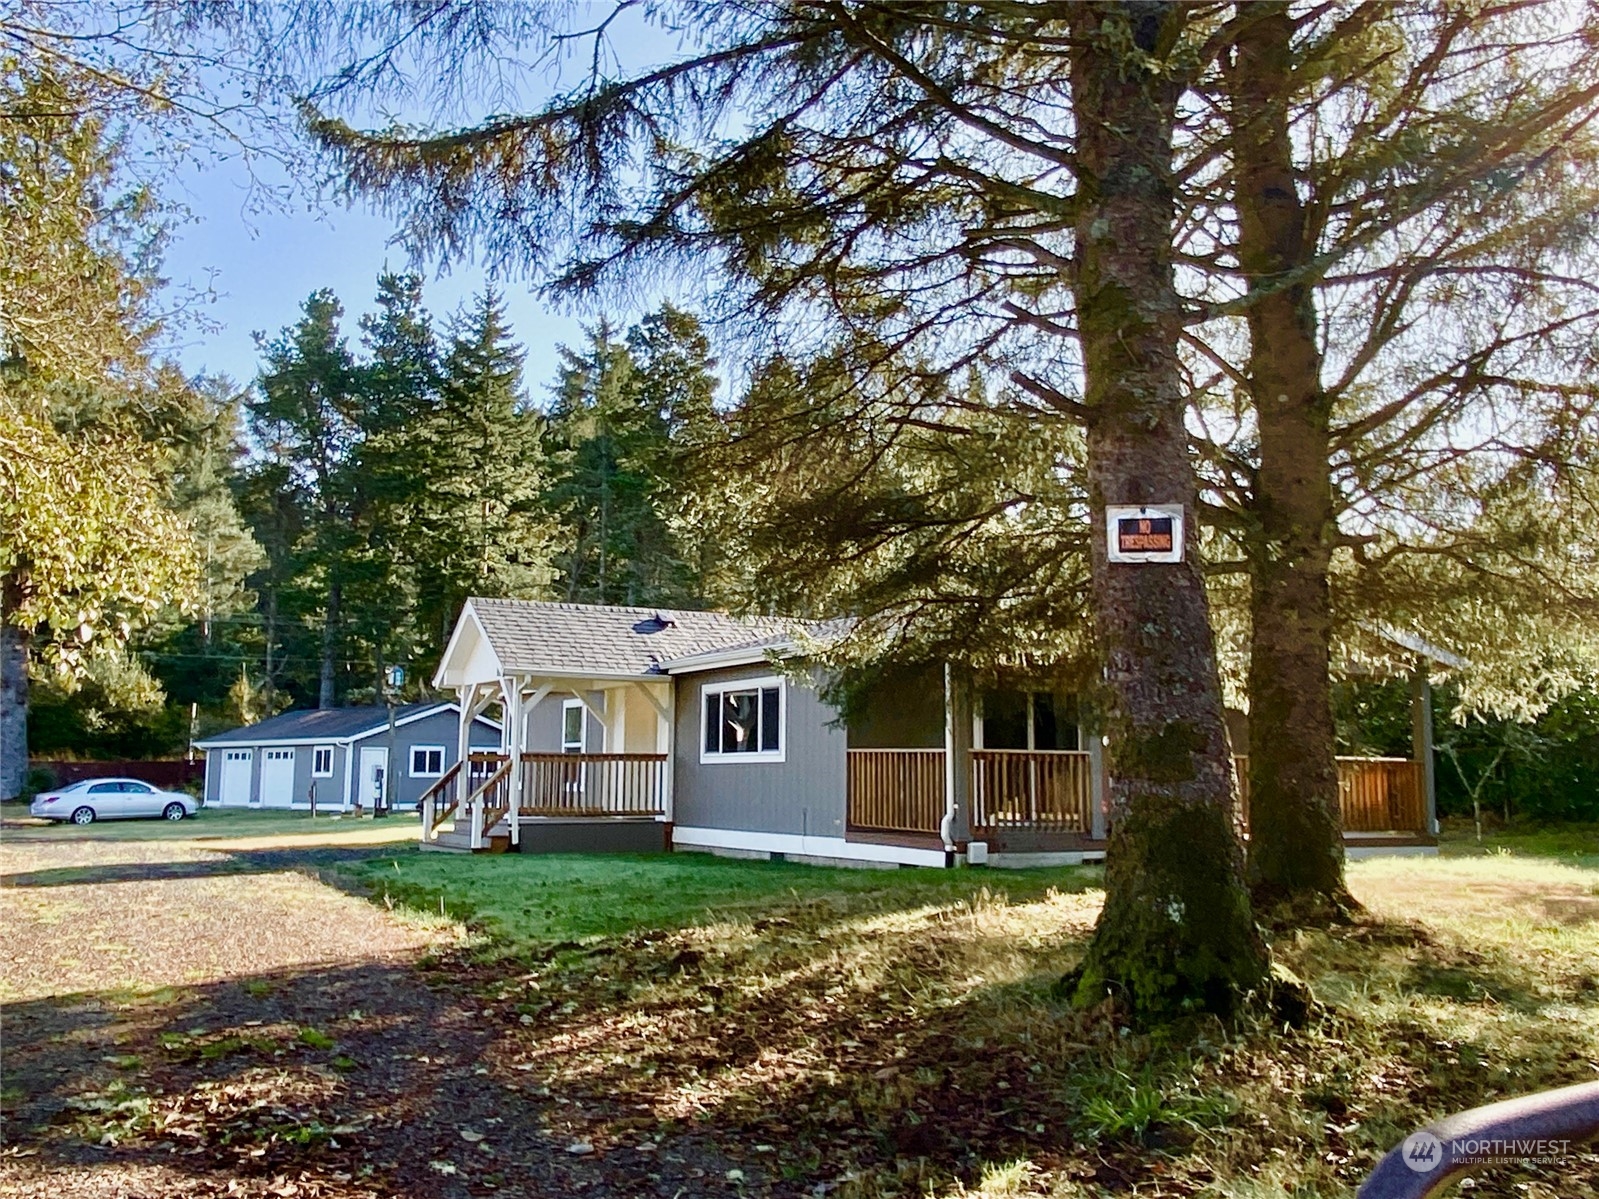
112	799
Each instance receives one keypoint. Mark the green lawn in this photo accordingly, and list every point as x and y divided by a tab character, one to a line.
525	900
206	824
1574	844
870	1024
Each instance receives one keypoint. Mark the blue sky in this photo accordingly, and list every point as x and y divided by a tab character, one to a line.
263	265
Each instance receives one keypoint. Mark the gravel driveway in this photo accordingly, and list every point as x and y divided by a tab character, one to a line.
182	1019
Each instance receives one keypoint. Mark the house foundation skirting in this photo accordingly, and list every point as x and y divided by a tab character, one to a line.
790	845
1354	853
612	834
1030	861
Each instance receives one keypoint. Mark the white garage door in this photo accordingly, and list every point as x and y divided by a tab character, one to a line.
277	777
235	787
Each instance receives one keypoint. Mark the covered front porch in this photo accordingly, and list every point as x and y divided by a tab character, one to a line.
584	759
1017	777
1051	801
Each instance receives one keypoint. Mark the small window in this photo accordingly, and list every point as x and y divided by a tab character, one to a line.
574	725
427	761
743	721
132	788
106	789
322	762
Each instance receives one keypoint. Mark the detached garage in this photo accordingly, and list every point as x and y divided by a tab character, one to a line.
347	756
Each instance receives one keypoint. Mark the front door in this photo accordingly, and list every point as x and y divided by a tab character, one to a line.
374	776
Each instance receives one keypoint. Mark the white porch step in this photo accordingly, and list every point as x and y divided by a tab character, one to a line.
459	839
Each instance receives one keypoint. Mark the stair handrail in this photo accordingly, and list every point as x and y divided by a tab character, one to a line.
477	803
432	815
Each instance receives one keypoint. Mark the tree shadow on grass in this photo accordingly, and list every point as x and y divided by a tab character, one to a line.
217	862
886	1037
358	1079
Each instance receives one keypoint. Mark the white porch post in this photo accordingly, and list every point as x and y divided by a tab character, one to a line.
511	735
958	729
665	738
466	697
1096	783
1421	740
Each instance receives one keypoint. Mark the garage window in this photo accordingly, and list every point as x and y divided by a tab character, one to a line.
322	762
427	761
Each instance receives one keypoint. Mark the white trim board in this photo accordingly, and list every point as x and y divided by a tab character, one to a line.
759	686
801	846
348	738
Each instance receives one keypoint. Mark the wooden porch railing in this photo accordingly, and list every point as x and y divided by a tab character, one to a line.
1375	795
1378	795
895	790
489	803
902	791
1048	790
594	784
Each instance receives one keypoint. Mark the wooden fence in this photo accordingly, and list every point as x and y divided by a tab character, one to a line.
167	773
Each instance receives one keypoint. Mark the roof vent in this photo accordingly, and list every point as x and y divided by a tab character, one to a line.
655	623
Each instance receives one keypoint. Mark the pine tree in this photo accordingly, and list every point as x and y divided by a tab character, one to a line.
480	525
306	417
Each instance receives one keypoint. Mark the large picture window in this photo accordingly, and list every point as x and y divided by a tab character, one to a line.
743	721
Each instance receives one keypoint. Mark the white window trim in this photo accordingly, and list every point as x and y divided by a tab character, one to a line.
425	774
322	774
568	705
780	754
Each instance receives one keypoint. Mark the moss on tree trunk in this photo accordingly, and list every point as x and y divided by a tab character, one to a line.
1177	933
1296	854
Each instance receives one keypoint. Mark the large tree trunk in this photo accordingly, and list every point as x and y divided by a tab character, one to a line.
1177	932
326	694
13	705
1296	852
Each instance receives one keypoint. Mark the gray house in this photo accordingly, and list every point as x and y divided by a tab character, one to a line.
640	729
348	756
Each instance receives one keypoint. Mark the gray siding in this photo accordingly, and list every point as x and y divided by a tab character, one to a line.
442	728
544	725
438	729
803	795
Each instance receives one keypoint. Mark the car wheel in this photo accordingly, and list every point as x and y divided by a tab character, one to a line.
173	811
83	816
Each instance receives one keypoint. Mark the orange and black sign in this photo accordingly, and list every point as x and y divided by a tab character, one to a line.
1144	534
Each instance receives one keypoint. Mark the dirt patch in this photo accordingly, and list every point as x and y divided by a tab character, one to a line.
185	1022
83	917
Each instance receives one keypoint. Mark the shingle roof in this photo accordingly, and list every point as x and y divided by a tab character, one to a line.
609	641
330	724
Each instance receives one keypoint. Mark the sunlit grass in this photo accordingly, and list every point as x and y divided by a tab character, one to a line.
900	1034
